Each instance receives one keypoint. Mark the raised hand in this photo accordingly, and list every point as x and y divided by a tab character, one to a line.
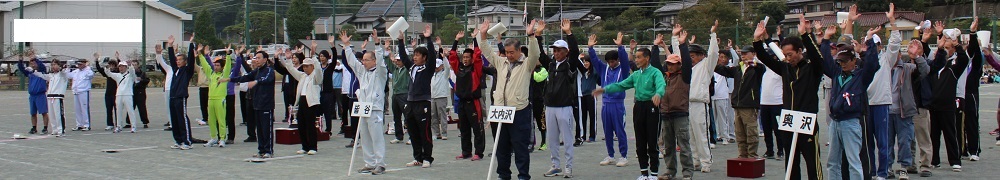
803	24
926	36
892	13
975	24
402	34
853	13
192	37
632	43
460	35
939	27
531	27
427	31
830	31
244	47
592	40
618	41
158	49
760	32
566	26
170	40
874	30
677	29
346	40
658	41
117	56
386	44
715	27
312	45
683	37
817	27
364	44
207	49
375	35
539	27
200	48
729	45
693	37
437	40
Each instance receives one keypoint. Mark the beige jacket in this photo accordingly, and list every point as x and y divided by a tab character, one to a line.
512	82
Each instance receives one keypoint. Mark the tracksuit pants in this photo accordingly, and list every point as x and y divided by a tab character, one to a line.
124	108
725	119
82	108
561	119
674	133
588	119
699	134
230	118
306	117
265	132
57	113
203	102
140	106
772	136
348	124
372	141
246	109
398	104
179	120
217	119
746	132
969	131
513	139
329	108
470	126
646	120
538	114
109	105
613	119
807	147
418	121
439	116
878	120
943	122
166	101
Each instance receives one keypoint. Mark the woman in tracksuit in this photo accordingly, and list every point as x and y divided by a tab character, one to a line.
57	79
613	108
221	67
109	94
308	80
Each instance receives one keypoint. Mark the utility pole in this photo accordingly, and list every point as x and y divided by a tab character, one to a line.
142	60
246	22
333	18
20	45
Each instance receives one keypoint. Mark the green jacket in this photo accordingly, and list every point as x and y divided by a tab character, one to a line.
400	77
647	82
216	90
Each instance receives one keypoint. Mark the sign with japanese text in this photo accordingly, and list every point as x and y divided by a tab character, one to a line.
501	114
798	122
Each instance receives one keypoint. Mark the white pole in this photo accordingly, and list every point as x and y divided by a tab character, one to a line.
354	148
493	160
791	157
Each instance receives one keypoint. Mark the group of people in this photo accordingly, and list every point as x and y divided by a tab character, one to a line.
877	98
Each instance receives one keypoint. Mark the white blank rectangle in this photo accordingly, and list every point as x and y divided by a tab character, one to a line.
77	30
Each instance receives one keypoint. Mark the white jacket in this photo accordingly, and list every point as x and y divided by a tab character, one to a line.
309	84
880	90
57	81
771	88
701	73
440	88
166	68
721	87
372	81
125	81
81	79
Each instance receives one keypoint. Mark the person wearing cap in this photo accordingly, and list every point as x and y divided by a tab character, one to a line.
372	74
904	106
560	97
57	78
799	73
125	78
747	77
81	78
307	101
673	108
701	78
417	112
439	97
36	93
139	95
649	86
221	67
400	86
260	82
880	97
613	71
723	113
179	81
950	62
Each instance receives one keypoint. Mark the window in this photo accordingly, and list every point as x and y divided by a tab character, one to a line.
498	19
481	19
512	20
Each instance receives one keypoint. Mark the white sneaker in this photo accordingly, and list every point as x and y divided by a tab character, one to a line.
408	142
300	152
185	147
311	152
706	169
211	143
201	122
622	162
974	158
711	146
725	142
998	143
394	141
222	143
956	168
426	164
607	160
175	146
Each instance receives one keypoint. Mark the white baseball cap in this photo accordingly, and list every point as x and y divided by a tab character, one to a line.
559	44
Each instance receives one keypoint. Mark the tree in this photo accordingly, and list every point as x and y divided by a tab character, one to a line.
775	10
449	27
632	19
204	29
262	27
300	20
698	19
351	30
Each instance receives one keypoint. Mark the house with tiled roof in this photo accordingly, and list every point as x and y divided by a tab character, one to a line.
579	17
378	13
508	16
667	14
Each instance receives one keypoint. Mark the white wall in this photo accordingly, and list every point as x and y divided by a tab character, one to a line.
159	25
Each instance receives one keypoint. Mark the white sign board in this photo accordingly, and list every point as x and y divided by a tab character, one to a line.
501	114
798	122
361	109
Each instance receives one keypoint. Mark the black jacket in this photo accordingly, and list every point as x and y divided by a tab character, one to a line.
800	82
944	77
140	87
420	89
182	75
746	94
561	88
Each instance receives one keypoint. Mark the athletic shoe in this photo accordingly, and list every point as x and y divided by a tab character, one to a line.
768	156
212	143
133	130
175	146
760	135
642	177
577	143
394	141
543	147
911	170
185	147
105	129
243	124
300	152
711	146
365	170
45	130
568	173
413	163
201	122
444	138
476	158
706	169
732	141
250	140
311	152
974	158
902	175
998	143
117	130
725	142
266	155
86	129
995	132
168	129
686	177
76	129
553	172
350	145
378	170
956	168
222	143
622	162
462	157
778	157
127	126
426	164
166	125
408	142
925	173
145	126
607	160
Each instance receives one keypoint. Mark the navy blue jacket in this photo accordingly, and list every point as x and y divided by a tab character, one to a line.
262	93
182	75
420	89
849	95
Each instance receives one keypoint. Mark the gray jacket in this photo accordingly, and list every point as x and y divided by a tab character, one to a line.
903	74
